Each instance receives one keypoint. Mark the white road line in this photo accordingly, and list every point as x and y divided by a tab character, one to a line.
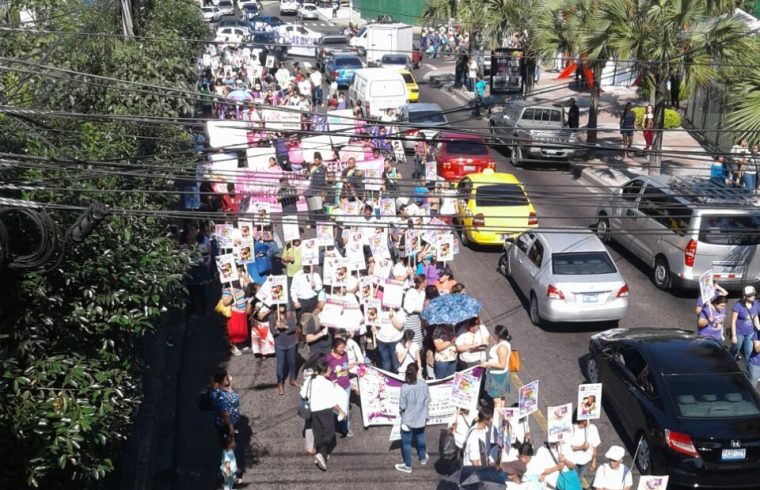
429	66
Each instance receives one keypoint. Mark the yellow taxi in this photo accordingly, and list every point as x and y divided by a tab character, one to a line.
412	89
491	207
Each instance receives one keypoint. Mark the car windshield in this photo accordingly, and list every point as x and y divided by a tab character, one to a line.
225	3
393	60
466	147
251	7
500	195
426	117
730	230
582	263
348	62
719	395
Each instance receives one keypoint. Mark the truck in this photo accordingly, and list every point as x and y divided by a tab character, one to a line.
375	40
533	132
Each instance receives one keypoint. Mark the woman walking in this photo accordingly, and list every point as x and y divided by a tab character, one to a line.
338	369
648	125
744	322
497	376
711	318
262	339
324	401
283	327
413	407
237	324
627	123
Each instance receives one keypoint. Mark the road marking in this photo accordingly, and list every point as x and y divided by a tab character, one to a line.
430	67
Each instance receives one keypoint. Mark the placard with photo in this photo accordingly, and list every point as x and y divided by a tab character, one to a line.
228	272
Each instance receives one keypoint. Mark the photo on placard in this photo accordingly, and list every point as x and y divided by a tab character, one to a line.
366	286
653	482
245	230
589	401
393	293
329	268
372	312
227	268
528	398
383	267
341	273
279	292
559	421
387	206
224	235
245	251
445	249
290	231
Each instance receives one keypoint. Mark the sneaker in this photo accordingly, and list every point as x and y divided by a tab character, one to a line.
349	433
246	349
235	351
320	462
423	462
403	468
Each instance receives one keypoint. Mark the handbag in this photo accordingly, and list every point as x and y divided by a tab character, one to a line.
222	309
447	446
304	406
514	361
566	480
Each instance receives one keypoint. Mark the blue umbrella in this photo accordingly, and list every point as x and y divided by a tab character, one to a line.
451	309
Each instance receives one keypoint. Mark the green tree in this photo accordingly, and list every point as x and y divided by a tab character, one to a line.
69	345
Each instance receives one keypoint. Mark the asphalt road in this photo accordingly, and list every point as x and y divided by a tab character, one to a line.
274	454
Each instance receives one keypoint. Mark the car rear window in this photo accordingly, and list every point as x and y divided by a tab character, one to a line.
730	230
582	263
225	3
426	117
719	395
466	147
394	60
407	78
348	62
500	195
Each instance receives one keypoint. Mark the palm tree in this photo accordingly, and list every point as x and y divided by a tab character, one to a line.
745	119
664	39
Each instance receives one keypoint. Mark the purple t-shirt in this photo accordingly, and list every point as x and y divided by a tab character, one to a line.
714	329
339	370
754	357
745	317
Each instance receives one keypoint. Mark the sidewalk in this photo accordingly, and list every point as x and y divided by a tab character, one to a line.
345	15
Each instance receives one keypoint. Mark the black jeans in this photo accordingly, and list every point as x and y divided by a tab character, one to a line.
323	425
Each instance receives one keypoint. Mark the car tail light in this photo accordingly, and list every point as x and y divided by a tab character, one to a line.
491	165
554	293
623	293
446	165
680	443
412	132
478	220
532	219
689	253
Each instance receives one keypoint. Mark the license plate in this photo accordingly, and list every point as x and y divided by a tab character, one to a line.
734	454
590	298
469	168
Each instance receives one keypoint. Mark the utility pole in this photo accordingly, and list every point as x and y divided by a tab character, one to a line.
126	18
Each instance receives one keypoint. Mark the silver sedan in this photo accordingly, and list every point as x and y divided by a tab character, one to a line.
566	276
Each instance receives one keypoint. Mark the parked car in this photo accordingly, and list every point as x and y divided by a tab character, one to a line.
242	4
682	402
330	44
683	228
492	207
211	13
566	277
426	119
242	24
308	11
459	154
341	68
533	132
250	11
412	89
226	7
288	7
396	62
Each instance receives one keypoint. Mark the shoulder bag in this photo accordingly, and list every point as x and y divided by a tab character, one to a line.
514	361
222	309
566	480
304	405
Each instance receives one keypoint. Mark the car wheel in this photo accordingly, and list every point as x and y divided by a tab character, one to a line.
463	237
515	155
592	369
661	274
603	228
535	315
503	266
644	456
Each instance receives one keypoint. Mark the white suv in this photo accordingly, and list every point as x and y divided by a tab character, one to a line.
289	7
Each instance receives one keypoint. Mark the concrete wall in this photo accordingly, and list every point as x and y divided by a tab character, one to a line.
406	11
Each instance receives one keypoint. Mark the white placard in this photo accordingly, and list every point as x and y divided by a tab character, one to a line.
590	401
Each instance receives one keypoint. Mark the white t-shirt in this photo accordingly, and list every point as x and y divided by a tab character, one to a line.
410	355
388	332
323	393
472	446
610	479
465	337
464	422
316	79
589	434
544	460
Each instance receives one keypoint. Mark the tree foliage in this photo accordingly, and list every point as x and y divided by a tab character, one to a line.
69	346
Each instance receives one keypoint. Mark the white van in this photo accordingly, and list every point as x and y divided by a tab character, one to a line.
377	89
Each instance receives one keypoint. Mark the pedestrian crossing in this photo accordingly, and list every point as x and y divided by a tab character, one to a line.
317	24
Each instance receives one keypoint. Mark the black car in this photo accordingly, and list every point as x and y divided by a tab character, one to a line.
268	42
684	404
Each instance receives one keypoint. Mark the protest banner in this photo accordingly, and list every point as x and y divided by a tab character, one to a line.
269	62
590	401
342	126
245	227
317	144
328	269
652	482
355	255
373	173
309	252
331	313
340	271
379	393
221	169
257	158
559	421
227	269
464	391
528	398
325	234
393	293
280	120
228	134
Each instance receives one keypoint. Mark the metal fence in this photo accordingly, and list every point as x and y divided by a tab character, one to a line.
706	116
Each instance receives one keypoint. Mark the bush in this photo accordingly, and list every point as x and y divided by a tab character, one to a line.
672	117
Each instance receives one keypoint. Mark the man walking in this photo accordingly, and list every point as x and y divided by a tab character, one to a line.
573	115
